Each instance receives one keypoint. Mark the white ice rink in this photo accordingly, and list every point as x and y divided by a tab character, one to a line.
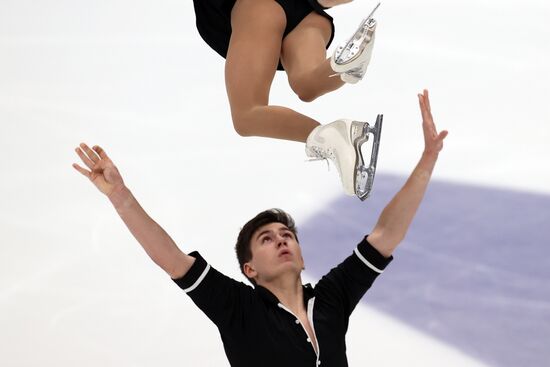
136	78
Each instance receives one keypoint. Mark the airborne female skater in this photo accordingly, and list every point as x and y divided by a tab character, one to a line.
259	37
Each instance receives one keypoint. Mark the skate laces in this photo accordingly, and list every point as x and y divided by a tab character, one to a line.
319	159
321	155
357	72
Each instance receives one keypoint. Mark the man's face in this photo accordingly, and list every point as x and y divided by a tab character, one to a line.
275	252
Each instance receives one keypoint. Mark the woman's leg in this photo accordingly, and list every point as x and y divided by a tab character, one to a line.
251	62
304	58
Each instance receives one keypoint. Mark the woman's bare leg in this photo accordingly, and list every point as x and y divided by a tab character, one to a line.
251	62
305	61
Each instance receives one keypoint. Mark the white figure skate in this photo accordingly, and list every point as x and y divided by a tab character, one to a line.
351	59
341	141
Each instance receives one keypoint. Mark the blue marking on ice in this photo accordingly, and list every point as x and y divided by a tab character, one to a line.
473	270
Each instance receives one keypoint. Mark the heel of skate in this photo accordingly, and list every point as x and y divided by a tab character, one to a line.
351	55
364	175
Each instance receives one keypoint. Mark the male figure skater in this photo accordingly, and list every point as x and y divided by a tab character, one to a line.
279	321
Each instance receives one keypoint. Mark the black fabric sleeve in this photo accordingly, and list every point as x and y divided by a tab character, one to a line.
222	299
344	286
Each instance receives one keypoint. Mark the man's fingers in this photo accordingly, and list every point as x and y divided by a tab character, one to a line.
426	115
83	171
442	135
99	150
427	100
87	161
90	153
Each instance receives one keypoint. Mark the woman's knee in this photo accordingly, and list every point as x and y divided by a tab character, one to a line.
304	92
242	123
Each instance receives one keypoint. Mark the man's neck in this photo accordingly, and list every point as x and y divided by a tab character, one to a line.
288	291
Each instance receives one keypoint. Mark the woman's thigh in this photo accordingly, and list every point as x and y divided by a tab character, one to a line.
305	47
254	52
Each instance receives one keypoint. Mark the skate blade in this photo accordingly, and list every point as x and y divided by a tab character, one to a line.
355	47
364	176
358	42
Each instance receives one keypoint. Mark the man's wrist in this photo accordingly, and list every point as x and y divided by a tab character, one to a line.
121	197
429	156
425	166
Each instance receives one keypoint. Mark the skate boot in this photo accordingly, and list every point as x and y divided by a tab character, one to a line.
341	141
351	59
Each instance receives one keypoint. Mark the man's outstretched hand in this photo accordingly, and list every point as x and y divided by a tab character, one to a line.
102	171
433	141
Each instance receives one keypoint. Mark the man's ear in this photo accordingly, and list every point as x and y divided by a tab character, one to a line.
249	271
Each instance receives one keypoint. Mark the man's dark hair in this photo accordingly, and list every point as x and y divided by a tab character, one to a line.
242	248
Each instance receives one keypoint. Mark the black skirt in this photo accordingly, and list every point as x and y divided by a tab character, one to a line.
213	18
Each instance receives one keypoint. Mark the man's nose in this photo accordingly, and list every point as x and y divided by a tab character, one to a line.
281	241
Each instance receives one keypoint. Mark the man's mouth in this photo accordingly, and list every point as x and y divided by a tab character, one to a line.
284	252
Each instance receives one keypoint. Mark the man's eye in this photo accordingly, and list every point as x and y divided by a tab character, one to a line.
266	239
288	235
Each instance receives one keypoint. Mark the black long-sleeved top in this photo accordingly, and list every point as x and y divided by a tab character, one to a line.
257	330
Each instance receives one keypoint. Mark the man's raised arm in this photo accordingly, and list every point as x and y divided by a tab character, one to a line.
154	240
399	213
